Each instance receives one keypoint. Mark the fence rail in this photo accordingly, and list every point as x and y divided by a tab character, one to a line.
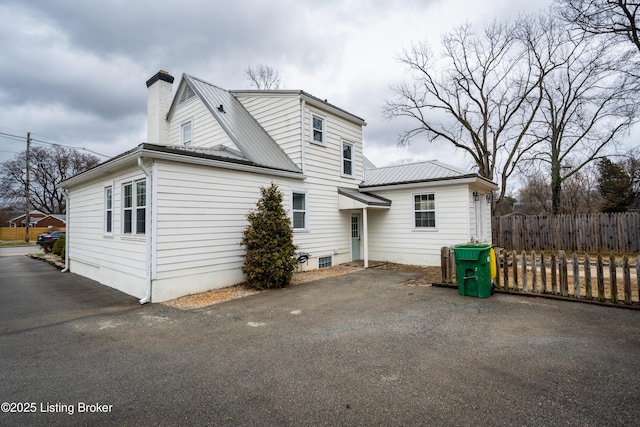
613	279
593	233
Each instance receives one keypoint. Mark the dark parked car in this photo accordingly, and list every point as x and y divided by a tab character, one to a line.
47	240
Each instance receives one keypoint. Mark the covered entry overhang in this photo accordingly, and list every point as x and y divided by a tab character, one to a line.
353	199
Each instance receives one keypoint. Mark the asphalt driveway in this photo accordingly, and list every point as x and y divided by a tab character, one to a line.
361	349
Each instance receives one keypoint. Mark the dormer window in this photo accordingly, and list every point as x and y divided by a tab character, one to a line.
186	133
317	129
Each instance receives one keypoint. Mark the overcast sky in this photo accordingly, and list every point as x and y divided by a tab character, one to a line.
73	72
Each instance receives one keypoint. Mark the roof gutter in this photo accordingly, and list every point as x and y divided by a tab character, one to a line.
468	179
147	234
127	158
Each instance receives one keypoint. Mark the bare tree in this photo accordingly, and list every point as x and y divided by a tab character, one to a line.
616	18
631	164
49	167
263	77
580	192
482	97
587	102
535	197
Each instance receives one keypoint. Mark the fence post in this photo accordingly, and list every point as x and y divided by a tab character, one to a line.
505	263
554	276
444	265
638	275
613	283
587	277
515	270
626	279
600	278
576	276
534	271
564	282
525	285
543	273
497	251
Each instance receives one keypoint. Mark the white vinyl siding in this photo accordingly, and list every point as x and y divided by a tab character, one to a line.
117	261
209	132
393	237
324	163
201	215
280	117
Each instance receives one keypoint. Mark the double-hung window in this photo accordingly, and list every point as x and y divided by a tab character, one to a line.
108	210
134	203
424	210
347	159
299	210
186	131
317	129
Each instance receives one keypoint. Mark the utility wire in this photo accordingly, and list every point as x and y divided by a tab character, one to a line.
34	140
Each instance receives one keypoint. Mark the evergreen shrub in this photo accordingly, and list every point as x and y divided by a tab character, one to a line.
58	247
269	259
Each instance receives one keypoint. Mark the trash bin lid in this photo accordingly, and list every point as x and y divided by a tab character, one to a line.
469	252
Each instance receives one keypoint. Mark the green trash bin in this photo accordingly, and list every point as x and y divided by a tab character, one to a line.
473	269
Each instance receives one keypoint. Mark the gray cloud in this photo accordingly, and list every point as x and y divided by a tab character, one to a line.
73	71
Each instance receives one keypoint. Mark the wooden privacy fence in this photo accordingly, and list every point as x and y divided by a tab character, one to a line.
18	233
613	279
593	233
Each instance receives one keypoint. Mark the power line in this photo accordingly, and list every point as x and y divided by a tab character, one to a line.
55	144
13	137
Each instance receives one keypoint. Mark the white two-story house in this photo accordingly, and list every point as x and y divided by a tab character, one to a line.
165	219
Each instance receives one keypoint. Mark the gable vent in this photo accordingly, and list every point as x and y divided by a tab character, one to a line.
187	94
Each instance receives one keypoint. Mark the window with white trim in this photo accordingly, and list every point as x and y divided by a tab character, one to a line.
424	210
134	201
108	210
317	129
347	159
186	133
299	210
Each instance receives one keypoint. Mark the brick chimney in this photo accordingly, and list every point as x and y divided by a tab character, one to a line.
159	96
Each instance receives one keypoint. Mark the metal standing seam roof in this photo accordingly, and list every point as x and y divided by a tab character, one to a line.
366	198
255	143
432	170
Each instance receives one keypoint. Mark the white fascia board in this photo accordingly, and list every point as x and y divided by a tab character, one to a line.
220	164
438	183
310	100
127	159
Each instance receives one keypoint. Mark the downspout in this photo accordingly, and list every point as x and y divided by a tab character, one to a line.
65	193
147	297
302	149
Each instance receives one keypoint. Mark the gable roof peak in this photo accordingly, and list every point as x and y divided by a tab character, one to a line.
242	128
